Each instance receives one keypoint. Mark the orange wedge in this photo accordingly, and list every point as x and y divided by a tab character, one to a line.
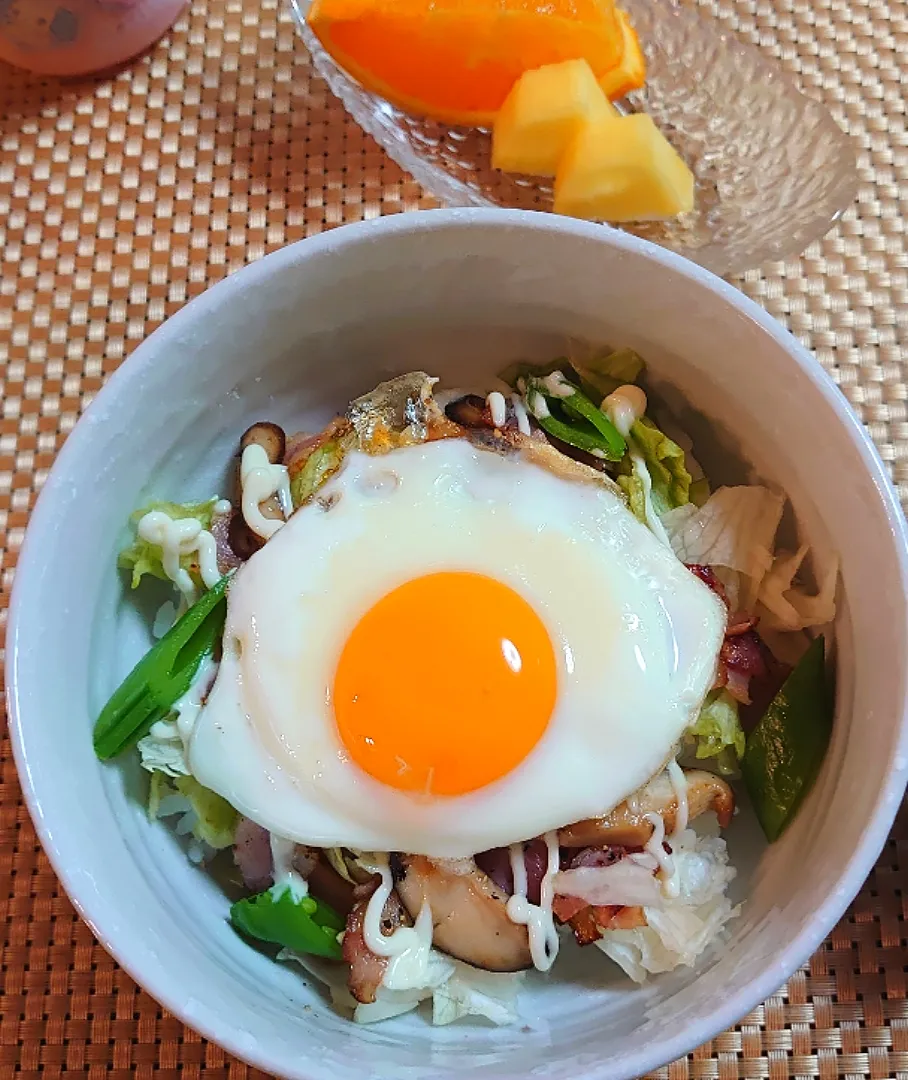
457	60
630	72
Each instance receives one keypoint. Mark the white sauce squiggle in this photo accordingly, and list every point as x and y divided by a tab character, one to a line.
179	538
624	407
558	386
285	876
537	405
523	421
679	785
409	948
654	847
190	704
498	408
260	480
537	918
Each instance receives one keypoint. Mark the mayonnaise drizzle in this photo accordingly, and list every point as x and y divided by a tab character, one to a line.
498	408
679	785
654	847
179	538
624	407
409	948
537	918
190	704
558	386
259	480
285	876
666	863
537	405
523	421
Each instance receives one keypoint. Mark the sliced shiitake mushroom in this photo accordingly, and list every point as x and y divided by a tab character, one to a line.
244	543
270	437
470	411
469	912
626	825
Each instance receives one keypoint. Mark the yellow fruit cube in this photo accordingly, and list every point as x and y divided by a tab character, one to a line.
542	113
622	170
630	73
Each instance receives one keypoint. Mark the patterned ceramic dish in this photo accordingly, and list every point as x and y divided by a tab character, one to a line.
773	170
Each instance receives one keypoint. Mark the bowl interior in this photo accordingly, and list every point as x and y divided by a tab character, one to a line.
291	339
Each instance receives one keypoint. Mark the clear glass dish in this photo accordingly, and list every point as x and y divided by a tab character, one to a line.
773	170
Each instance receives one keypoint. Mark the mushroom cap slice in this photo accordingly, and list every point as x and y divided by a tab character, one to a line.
626	825
469	912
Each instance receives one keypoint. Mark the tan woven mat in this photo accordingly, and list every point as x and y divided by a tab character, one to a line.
122	198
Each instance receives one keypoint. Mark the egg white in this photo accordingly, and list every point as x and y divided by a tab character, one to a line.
636	638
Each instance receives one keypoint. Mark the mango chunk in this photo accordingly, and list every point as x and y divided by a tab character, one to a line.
630	73
542	113
622	169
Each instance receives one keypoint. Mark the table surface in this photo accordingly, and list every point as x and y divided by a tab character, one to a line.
123	197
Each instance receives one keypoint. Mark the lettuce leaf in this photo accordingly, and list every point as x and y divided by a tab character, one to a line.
734	528
143	558
600	375
717	732
632	486
665	462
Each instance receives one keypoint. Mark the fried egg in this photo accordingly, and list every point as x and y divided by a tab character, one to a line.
450	650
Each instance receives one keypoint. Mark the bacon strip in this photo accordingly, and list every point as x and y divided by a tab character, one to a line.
743	657
496	863
708	576
740	660
587	921
366	968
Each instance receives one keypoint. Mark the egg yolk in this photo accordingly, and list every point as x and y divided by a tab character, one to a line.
445	685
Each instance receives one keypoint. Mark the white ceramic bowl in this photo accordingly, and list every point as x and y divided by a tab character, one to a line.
292	337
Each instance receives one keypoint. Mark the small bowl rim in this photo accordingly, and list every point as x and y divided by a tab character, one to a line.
130	954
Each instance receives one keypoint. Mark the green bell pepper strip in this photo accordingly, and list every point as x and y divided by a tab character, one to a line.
580	407
163	676
785	750
305	925
584	426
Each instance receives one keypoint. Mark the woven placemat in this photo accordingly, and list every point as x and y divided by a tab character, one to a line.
122	198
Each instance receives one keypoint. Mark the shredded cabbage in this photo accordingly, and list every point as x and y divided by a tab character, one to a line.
786	606
353	866
680	929
455	989
209	818
162	750
717	732
665	463
473	992
143	558
735	528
